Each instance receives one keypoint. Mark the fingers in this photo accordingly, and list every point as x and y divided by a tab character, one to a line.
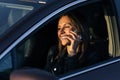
72	36
75	36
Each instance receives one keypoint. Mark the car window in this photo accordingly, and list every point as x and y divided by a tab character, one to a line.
13	11
10	14
6	63
6	66
33	52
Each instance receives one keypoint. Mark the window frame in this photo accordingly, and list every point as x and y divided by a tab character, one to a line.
47	19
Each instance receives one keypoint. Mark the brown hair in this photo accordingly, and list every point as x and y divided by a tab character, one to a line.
80	24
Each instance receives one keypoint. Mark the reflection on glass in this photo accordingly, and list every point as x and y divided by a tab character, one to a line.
35	1
10	14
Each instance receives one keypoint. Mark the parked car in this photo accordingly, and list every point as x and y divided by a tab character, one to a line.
28	29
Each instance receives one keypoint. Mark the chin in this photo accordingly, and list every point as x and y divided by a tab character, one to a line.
65	43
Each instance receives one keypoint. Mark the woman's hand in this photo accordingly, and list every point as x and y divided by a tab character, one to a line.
74	39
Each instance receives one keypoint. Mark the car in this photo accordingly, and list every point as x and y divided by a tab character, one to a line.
28	29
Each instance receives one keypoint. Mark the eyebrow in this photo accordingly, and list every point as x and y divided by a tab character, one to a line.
68	23
65	24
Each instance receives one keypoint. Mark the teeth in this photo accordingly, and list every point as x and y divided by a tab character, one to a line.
63	37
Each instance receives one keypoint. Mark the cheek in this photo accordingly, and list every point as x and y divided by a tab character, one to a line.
67	31
58	34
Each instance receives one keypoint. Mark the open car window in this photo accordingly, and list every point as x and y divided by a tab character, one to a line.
35	50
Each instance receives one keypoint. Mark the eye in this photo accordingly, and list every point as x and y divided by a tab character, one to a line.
68	26
58	28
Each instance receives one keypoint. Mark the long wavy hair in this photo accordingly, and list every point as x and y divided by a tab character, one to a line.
80	24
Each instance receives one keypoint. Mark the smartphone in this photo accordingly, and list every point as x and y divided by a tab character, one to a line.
78	34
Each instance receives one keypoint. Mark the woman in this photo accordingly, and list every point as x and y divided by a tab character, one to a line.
72	50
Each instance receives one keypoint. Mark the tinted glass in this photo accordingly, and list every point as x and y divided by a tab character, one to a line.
13	10
10	14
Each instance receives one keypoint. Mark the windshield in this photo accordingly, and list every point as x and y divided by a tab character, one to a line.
12	11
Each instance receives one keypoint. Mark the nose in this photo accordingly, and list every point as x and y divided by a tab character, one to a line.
61	31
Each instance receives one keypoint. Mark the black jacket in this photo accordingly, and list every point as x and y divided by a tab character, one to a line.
66	64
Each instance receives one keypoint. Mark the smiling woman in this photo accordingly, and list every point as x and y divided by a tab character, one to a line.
70	49
72	52
70	41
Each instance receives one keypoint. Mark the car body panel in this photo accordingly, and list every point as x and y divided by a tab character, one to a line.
109	70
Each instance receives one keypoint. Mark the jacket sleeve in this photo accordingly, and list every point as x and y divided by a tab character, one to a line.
49	61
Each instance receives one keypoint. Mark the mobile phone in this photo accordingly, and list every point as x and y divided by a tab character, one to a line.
78	34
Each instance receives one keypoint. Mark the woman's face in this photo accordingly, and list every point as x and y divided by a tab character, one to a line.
64	28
